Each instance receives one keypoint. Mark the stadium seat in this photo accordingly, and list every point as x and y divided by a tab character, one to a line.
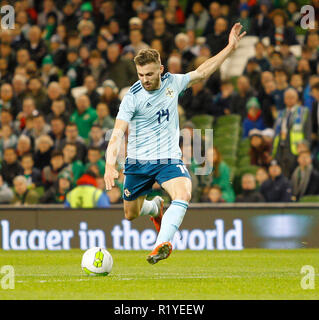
229	119
204	121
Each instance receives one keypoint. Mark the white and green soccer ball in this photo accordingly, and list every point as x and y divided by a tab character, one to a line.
97	261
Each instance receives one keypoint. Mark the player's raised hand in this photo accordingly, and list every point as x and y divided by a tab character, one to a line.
110	175
235	36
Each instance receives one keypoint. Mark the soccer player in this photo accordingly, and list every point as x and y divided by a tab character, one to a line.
149	110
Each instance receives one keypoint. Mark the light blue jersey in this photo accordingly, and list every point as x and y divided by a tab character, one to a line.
153	119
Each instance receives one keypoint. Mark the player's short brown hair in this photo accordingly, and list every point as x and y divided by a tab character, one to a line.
147	56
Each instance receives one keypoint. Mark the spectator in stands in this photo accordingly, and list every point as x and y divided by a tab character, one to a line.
110	97
222	101
281	79
24	146
40	127
244	92
254	119
160	33
84	116
220	175
305	178
136	41
97	138
38	93
120	70
57	193
32	174
198	19
43	148
7	138
73	69
96	69
214	13
104	120
215	195
86	194
75	166
86	29
90	84
260	151
183	48
23	195
6	118
261	24
49	72
19	84
197	100
72	136
95	158
289	59
267	101
253	72
7	99
58	51
50	173
58	109
217	40
292	126
296	82
280	32
57	132
35	45
6	194
65	85
278	188
10	166
261	176
249	192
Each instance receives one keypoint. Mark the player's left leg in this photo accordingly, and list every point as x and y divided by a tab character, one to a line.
180	190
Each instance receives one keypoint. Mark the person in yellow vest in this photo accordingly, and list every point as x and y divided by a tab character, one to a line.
292	126
86	194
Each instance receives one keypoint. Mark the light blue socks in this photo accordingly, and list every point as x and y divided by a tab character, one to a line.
171	221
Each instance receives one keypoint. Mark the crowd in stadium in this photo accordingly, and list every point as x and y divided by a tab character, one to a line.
66	65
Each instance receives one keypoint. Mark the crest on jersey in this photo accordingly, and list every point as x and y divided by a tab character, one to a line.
126	192
170	92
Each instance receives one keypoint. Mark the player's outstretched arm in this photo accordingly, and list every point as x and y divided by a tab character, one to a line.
206	69
112	152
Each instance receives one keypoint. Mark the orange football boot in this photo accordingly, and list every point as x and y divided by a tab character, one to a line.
161	252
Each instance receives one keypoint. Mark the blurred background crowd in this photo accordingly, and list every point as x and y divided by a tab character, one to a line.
66	65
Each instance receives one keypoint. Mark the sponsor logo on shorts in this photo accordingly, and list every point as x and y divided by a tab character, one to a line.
127	193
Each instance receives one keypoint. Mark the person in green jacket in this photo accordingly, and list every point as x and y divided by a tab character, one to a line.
94	157
220	175
84	116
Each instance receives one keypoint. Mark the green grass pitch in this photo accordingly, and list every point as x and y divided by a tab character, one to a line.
247	274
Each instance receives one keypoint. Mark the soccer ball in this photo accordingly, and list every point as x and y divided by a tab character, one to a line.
97	261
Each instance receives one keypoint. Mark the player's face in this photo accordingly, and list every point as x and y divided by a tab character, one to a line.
150	75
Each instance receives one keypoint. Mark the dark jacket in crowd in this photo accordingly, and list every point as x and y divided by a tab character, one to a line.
10	171
250	196
277	190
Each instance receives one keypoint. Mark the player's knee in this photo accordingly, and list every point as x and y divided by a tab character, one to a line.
184	195
130	214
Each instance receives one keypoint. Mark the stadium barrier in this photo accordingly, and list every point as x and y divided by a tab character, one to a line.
205	227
